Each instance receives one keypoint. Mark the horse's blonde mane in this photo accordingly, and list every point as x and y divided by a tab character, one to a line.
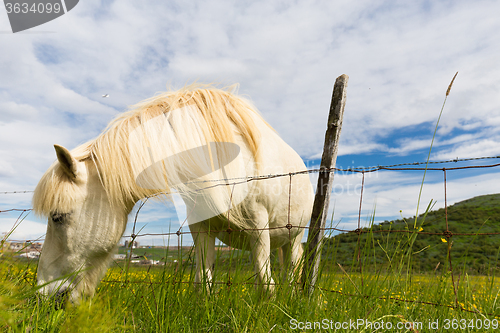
218	112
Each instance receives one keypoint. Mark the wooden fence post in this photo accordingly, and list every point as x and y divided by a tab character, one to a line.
312	253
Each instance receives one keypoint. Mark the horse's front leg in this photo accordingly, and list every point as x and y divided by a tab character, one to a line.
291	259
204	244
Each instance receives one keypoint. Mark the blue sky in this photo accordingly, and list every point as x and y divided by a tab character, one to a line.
400	57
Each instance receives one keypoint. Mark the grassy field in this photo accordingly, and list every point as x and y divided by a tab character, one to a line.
385	298
386	290
476	253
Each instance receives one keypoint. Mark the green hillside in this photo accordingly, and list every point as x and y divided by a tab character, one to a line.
475	254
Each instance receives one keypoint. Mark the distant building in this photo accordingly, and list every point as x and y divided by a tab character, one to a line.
150	262
30	255
120	256
135	244
24	246
16	246
24	249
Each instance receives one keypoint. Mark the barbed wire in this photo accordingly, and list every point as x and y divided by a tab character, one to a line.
16	210
358	231
352	169
415	166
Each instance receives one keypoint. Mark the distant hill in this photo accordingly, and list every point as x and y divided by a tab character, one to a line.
478	253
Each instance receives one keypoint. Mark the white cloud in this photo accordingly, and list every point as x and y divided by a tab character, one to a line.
477	148
400	58
25	230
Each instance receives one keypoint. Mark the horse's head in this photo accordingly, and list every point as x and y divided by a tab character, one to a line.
83	227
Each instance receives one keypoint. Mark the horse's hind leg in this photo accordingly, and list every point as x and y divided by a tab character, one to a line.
261	252
204	244
291	260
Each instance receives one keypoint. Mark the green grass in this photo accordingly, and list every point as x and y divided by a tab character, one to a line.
165	299
387	285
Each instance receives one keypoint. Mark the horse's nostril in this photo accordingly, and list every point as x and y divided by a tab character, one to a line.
60	298
63	292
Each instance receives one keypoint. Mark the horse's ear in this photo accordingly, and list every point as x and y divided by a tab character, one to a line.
68	162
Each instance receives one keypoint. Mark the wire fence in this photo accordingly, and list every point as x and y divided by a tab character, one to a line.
407	167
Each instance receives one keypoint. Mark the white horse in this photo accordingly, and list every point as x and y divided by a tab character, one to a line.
201	142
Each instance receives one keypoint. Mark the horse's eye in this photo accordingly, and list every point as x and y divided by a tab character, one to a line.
59	218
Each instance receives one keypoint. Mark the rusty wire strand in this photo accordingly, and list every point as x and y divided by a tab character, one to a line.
395	167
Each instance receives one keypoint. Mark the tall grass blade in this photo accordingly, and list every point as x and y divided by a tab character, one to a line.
430	148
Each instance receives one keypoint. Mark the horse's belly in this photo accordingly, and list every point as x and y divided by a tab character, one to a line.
246	240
